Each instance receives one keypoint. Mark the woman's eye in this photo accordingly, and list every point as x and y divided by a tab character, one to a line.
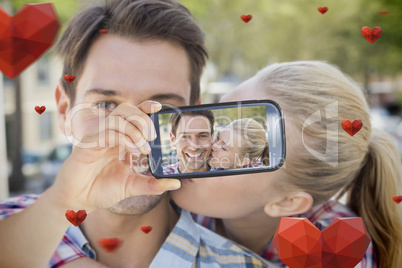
108	105
224	148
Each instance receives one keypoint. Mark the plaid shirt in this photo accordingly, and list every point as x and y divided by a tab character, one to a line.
171	169
188	245
321	216
174	169
255	163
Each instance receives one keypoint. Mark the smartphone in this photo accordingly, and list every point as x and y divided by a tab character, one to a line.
218	139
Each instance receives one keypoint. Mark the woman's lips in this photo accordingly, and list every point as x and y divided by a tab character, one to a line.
186	181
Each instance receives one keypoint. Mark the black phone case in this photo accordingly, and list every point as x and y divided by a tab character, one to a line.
157	153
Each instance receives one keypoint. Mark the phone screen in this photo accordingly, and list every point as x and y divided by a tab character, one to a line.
217	139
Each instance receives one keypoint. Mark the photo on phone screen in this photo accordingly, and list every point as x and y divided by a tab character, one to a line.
217	139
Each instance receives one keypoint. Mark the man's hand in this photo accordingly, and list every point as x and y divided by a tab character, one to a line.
102	175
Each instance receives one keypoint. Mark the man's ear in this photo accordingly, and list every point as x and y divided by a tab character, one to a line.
172	138
295	204
63	106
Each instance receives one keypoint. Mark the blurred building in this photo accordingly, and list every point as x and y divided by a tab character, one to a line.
38	83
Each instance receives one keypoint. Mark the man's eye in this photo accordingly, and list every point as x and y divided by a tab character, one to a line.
108	105
184	137
224	148
204	136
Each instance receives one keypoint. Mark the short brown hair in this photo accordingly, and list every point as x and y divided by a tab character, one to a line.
165	20
175	118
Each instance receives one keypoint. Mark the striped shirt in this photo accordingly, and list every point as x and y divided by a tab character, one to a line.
188	245
321	216
171	169
174	169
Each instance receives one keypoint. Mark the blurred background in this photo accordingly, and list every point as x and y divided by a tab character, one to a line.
32	148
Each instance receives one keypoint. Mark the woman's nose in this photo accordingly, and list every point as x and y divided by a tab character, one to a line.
214	146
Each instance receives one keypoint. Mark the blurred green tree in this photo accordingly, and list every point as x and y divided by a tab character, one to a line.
295	30
64	9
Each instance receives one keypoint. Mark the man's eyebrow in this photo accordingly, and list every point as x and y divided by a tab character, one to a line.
157	97
204	132
167	96
105	92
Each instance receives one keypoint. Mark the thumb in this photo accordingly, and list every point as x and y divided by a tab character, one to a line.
163	185
148	185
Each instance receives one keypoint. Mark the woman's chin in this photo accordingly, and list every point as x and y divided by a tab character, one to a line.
213	162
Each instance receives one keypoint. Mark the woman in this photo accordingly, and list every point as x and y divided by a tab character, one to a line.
322	161
241	144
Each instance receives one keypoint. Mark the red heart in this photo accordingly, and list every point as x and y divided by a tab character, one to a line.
76	218
110	244
371	35
384	12
342	244
322	9
146	229
103	31
69	78
246	18
397	199
40	109
26	36
352	128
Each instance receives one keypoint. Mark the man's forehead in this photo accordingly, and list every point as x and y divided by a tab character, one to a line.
193	122
137	70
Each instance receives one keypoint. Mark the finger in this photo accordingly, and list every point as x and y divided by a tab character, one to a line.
117	139
135	116
147	185
163	185
112	135
150	106
128	129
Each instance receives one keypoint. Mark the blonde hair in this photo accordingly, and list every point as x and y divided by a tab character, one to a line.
366	166
255	145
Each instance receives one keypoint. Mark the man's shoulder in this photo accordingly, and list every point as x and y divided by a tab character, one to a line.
223	248
322	215
16	204
172	165
191	244
171	169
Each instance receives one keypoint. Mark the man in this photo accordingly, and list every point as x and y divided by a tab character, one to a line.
152	51
191	135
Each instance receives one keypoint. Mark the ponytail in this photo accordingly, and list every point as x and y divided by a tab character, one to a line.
370	196
367	163
265	155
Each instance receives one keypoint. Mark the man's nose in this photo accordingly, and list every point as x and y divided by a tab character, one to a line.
195	143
